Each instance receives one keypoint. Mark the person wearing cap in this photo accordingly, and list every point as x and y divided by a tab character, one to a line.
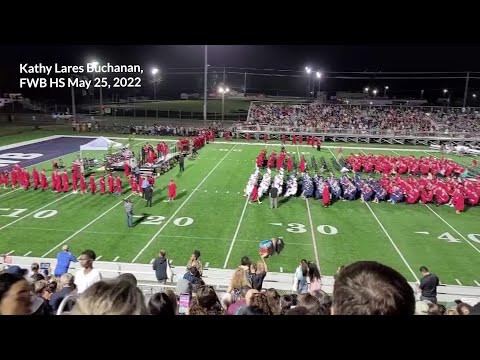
63	261
14	292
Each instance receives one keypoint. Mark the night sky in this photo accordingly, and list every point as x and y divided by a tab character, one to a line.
169	58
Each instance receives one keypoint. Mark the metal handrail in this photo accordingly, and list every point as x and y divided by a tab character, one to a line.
64	302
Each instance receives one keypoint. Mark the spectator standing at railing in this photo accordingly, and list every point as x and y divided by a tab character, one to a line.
160	266
87	276
64	258
67	286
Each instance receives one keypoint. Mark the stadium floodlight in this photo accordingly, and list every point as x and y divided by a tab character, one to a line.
95	63
318	74
154	73
445	91
474	96
385	88
308	70
375	91
223	90
366	89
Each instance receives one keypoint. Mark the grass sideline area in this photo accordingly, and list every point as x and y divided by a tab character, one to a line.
211	214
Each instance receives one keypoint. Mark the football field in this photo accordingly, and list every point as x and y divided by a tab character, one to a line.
211	214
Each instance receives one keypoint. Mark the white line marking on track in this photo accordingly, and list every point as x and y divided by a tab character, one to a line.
206	264
86	226
181	206
28	253
10	252
10	192
33	212
116	258
98	258
314	240
451	227
476	282
393	243
236	233
458	282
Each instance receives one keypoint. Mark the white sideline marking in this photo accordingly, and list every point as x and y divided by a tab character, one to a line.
396	153
334	156
429	153
33	212
116	258
86	226
98	258
151	261
11	252
181	206
28	253
393	243
314	240
10	192
458	282
206	264
236	233
388	236
364	153
476	282
451	227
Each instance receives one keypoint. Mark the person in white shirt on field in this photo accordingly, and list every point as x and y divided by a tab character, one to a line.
86	277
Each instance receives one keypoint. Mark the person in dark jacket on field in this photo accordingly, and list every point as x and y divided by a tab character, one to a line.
160	266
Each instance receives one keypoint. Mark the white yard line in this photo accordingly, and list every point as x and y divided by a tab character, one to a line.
236	232
396	153
11	192
30	142
451	227
458	282
10	252
33	212
314	240
391	240
364	153
181	206
83	228
334	156
206	264
98	258
476	282
429	153
393	243
116	258
151	261
28	253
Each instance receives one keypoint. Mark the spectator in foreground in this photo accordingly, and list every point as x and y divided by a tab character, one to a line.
111	298
14	294
371	288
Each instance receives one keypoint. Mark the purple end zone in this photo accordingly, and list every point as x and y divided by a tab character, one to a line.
50	149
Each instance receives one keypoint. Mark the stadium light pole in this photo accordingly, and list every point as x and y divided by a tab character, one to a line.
309	71
205	94
385	91
154	73
96	63
223	91
318	74
375	91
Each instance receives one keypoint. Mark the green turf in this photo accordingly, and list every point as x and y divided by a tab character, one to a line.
210	197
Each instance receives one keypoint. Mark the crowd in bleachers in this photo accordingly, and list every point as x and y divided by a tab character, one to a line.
325	118
361	288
